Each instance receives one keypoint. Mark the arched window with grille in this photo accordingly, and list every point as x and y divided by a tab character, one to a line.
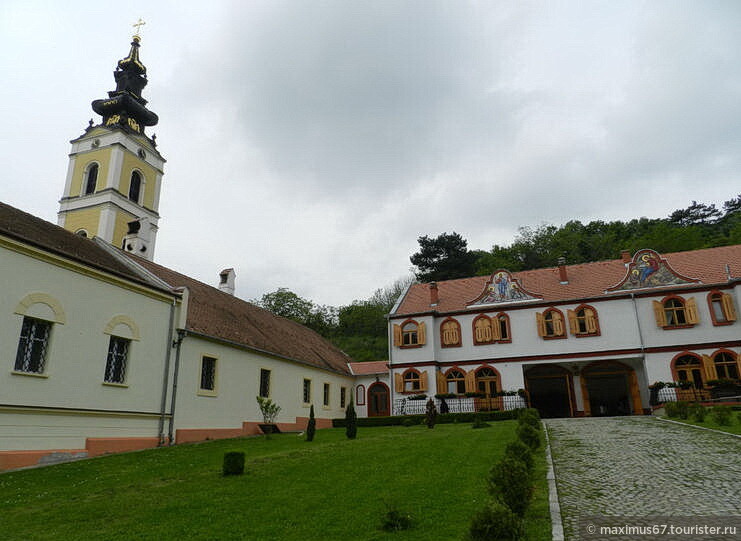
675	312
550	324
135	186
688	368
487	381
91	179
726	365
722	310
456	381
583	321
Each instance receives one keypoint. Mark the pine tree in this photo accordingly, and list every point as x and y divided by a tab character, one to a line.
351	426
311	427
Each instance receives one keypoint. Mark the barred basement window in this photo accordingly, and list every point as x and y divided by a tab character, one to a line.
326	395
264	383
307	391
32	346
208	374
115	366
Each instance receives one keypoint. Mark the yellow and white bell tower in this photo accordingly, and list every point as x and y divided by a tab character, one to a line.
115	172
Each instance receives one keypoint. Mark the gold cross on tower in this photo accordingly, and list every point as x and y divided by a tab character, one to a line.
138	24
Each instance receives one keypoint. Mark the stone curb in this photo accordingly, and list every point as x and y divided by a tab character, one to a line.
556	523
698	427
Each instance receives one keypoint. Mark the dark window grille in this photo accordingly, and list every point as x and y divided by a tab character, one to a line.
264	383
135	186
118	353
31	355
208	374
92	179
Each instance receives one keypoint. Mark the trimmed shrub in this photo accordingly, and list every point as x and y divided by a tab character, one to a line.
479	422
351	422
518	450
233	463
443	418
408	422
395	520
698	413
678	410
495	522
527	417
721	415
431	413
311	427
511	482
529	436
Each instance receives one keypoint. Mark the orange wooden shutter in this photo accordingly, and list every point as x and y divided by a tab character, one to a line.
573	325
441	383
729	310
591	320
421	333
709	366
557	324
496	331
398	383
423	381
470	380
690	307
541	323
397	335
659	314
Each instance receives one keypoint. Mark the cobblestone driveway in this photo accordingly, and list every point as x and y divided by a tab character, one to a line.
640	466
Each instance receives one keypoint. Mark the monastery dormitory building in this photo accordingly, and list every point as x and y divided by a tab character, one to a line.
576	340
104	350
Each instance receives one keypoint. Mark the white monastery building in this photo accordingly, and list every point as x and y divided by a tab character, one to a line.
103	350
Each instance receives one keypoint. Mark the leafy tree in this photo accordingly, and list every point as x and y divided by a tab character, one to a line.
286	303
443	258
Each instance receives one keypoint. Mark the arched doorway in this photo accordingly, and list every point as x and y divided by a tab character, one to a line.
379	404
550	389
610	388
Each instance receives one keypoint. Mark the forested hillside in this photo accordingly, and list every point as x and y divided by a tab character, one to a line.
360	328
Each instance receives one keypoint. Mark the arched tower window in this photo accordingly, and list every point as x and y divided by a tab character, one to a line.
135	186
92	179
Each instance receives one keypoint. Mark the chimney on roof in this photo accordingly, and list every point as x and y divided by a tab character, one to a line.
562	271
226	281
434	297
625	256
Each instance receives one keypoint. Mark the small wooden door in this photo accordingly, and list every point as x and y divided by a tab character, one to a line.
378	400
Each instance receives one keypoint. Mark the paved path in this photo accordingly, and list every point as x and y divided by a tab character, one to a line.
640	466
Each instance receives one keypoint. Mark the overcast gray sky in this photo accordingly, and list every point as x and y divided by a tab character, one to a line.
309	144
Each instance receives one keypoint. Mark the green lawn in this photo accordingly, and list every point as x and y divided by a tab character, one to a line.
332	488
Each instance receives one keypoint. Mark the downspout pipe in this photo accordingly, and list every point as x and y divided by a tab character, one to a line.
166	376
182	333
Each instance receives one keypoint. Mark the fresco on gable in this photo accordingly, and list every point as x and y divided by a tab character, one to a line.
649	269
502	287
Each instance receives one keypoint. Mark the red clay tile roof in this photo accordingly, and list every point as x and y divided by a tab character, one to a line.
369	367
29	229
586	280
217	314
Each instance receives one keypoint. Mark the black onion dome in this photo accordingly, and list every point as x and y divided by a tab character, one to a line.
125	107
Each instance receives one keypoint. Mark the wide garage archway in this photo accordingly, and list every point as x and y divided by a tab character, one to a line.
610	388
550	389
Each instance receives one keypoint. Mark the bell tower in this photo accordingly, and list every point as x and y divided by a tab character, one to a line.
115	172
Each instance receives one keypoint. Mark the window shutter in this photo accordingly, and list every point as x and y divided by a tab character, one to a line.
557	324
690	307
399	383
423	378
591	320
709	365
496	333
397	335
455	333
441	383
573	326
728	309
541	323
470	380
421	334
659	314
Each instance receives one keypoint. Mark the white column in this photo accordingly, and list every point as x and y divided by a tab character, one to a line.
114	168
